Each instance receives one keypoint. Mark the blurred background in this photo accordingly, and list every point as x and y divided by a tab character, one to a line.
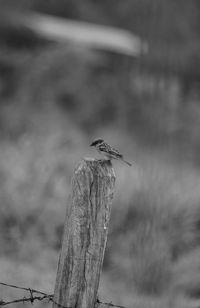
127	71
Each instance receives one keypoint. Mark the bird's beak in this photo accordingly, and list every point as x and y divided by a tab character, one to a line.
91	145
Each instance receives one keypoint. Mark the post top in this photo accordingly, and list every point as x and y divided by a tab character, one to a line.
96	166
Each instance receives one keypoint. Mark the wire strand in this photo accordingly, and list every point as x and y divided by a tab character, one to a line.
42	297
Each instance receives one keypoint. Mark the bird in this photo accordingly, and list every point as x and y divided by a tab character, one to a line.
109	152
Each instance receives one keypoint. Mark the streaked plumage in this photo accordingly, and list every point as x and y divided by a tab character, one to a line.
108	151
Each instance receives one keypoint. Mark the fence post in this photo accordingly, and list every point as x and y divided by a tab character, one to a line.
85	235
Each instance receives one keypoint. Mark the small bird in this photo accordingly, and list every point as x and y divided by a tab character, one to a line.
108	152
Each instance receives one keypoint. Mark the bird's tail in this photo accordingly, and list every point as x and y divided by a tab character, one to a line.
125	161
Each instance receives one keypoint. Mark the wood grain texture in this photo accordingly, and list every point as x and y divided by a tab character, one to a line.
85	235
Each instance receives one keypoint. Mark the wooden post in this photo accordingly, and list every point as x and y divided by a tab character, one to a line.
85	235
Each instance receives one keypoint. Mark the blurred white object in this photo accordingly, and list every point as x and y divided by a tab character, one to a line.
91	35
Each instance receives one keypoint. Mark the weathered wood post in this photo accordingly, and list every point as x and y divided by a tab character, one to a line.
85	235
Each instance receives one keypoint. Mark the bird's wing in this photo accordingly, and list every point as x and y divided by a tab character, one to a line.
109	150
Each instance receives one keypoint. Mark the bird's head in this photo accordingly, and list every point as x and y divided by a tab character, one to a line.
96	142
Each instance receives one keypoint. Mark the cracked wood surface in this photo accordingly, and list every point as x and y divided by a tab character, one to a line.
85	235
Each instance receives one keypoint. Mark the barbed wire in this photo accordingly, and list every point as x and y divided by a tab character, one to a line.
30	299
40	296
